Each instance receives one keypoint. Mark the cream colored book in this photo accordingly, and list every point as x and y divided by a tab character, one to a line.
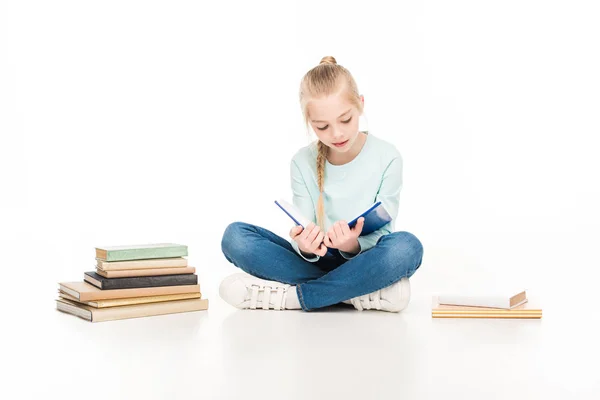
145	272
83	291
133	300
176	262
134	311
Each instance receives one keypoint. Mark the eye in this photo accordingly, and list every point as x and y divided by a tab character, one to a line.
327	126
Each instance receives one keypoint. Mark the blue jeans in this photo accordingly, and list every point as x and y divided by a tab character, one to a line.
330	280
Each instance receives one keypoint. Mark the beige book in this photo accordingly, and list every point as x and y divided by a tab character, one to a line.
176	262
133	300
145	272
134	311
83	291
529	309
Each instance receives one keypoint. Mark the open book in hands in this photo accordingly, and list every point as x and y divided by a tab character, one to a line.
376	216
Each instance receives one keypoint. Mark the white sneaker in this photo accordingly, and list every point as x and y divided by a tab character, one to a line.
393	298
242	290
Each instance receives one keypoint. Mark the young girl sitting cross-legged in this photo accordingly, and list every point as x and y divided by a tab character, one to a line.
334	179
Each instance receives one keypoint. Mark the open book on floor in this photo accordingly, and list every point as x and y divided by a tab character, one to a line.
376	216
526	310
497	298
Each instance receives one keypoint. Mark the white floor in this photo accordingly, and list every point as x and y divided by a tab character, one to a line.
226	353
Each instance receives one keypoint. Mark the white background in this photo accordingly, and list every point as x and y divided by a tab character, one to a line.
126	122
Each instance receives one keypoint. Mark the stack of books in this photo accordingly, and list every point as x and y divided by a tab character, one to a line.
134	281
513	304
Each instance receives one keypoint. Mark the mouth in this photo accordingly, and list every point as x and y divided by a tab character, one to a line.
340	144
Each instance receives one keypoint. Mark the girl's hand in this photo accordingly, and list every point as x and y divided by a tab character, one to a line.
310	240
341	237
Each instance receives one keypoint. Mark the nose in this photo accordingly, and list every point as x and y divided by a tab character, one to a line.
336	135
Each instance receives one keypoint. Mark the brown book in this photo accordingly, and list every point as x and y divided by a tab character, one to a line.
131	301
83	291
145	272
529	309
176	262
134	311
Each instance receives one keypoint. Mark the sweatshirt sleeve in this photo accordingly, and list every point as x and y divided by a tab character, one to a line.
389	195
302	201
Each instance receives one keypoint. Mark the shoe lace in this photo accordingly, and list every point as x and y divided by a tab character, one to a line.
371	301
277	301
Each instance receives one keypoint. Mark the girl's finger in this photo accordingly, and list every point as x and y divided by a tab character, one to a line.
338	230
318	240
331	234
359	226
307	231
345	228
295	231
313	234
322	250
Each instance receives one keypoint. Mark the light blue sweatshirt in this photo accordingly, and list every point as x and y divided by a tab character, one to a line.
375	174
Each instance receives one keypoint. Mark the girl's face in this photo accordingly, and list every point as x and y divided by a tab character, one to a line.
335	121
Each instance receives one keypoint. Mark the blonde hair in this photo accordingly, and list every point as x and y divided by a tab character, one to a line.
324	80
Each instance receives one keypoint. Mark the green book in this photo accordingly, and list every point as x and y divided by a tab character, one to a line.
141	252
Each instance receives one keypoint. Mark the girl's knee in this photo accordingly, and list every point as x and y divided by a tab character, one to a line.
405	243
233	237
404	253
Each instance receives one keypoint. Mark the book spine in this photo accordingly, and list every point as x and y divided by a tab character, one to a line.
148	253
142	264
146	272
149	281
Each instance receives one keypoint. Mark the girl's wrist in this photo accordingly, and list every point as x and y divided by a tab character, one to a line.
307	255
354	249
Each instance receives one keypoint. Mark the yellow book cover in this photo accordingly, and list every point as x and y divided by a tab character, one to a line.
133	300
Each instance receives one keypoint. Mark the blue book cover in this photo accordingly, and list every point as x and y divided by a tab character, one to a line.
376	216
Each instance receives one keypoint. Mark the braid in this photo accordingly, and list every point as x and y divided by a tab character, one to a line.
321	157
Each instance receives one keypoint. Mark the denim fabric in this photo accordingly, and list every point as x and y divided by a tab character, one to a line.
330	280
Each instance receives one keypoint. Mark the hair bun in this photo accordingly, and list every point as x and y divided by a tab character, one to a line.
328	60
